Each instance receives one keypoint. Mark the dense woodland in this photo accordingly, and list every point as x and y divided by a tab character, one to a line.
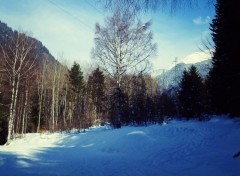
38	93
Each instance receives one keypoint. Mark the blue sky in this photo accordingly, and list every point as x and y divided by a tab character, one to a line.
66	27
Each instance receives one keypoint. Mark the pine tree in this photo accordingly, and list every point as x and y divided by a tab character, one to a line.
191	102
224	77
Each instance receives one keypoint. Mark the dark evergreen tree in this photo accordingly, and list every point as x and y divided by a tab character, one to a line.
139	98
96	87
166	105
76	78
126	111
76	94
224	77
116	105
3	122
191	94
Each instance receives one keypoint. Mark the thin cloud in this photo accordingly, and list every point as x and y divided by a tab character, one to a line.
201	21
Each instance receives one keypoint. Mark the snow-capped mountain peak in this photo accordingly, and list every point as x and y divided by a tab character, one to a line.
196	57
172	77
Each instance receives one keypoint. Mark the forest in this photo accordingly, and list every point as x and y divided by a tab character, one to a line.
39	93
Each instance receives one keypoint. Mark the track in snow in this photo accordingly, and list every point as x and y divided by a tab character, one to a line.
178	148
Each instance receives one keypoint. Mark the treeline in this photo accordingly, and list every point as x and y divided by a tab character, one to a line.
42	94
38	93
52	97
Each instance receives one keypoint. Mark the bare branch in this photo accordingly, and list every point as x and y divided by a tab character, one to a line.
123	45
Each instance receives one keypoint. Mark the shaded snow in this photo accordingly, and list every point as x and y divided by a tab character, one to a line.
177	148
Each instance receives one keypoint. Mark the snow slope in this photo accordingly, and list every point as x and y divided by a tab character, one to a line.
179	148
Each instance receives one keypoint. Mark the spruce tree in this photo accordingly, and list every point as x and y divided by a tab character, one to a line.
96	87
3	124
76	78
191	102
224	77
166	105
139	97
76	95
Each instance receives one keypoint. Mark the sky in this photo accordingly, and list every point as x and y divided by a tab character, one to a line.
67	27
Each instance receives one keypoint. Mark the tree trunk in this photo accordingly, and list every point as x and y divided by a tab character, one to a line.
40	103
53	99
65	108
10	123
24	111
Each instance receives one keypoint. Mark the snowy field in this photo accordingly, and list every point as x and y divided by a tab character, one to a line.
179	148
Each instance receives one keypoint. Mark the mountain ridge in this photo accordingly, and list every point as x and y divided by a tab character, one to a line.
172	77
7	32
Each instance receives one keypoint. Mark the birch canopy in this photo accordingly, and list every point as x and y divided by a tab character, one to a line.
154	5
123	45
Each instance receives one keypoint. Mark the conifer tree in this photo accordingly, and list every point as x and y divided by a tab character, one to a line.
3	123
166	105
76	78
224	77
139	100
96	86
191	102
76	105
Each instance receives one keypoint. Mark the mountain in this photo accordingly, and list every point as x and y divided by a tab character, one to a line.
173	76
5	36
197	57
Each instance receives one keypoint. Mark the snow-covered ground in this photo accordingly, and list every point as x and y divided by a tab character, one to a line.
179	148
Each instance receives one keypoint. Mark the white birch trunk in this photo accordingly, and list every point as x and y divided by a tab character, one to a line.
65	107
53	98
57	94
41	98
24	111
10	122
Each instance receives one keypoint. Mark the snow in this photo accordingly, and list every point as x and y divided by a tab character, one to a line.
193	58
177	148
197	57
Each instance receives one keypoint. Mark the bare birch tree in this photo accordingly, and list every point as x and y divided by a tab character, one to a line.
54	81
123	46
41	86
60	93
17	63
